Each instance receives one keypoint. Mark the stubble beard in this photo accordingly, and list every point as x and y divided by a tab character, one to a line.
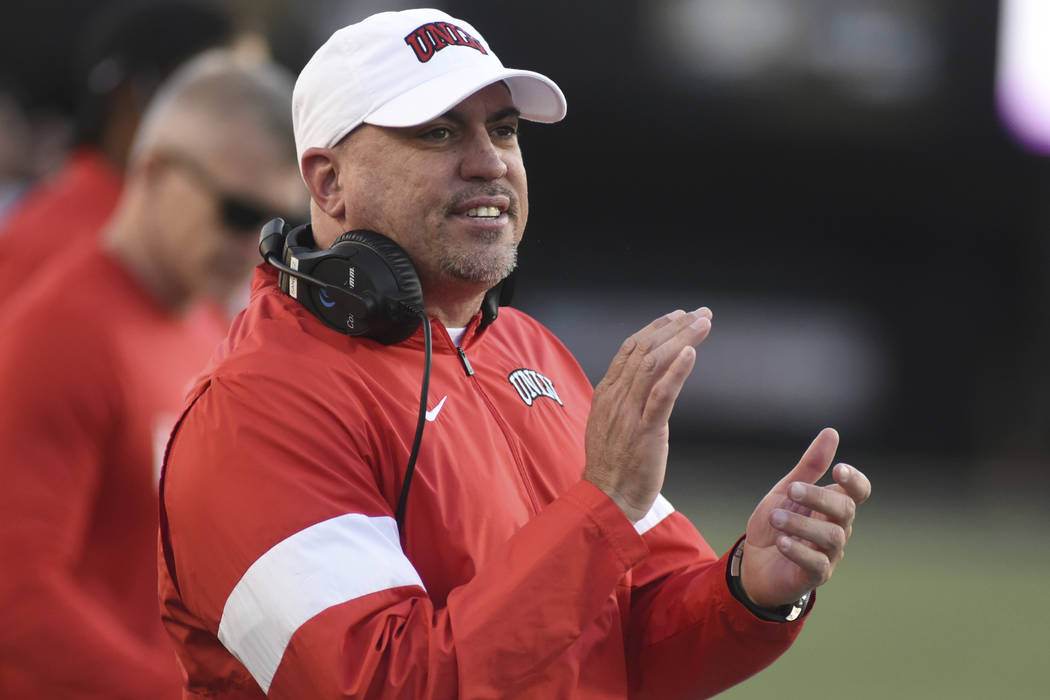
487	266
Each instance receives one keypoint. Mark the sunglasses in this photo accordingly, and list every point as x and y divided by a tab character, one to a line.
238	213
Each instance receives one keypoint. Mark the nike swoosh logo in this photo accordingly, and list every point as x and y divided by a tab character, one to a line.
433	413
325	299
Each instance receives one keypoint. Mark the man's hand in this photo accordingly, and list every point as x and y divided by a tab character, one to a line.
798	533
627	431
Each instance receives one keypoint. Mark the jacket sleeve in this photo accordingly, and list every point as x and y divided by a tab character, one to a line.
53	427
690	637
284	548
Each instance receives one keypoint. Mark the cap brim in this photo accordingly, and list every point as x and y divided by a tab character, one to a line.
536	96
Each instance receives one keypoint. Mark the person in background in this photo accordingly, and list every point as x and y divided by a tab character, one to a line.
95	359
533	555
122	55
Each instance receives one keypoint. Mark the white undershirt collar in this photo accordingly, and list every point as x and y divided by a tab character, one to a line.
456	334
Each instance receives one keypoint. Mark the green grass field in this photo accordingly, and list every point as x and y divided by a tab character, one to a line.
936	598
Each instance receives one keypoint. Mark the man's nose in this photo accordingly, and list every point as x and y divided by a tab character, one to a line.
482	160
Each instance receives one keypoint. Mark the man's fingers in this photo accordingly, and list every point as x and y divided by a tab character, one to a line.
853	482
816	564
816	459
826	536
656	334
655	354
651	349
630	345
663	395
830	502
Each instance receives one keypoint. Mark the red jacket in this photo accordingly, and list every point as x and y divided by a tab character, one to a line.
93	374
513	577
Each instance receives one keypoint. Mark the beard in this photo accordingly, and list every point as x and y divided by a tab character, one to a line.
488	263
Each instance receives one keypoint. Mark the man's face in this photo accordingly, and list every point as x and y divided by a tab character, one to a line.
452	192
208	234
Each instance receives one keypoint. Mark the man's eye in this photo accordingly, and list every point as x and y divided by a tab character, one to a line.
440	133
506	131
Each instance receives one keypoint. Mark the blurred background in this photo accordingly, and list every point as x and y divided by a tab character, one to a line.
859	190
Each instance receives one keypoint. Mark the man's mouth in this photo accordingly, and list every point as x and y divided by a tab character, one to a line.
487	206
483	212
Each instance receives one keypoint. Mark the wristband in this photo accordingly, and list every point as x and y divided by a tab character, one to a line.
783	613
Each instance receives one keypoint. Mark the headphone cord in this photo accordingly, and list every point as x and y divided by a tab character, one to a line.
421	421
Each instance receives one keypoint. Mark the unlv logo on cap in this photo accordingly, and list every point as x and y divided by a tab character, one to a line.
434	36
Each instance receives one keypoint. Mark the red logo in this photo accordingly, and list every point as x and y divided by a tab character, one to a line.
434	36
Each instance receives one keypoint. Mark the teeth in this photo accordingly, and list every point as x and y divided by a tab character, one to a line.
485	212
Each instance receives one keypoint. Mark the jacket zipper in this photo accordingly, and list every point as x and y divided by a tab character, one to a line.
465	362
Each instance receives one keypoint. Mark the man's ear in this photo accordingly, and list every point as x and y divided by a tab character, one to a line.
321	174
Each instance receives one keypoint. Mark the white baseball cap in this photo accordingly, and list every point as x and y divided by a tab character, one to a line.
402	69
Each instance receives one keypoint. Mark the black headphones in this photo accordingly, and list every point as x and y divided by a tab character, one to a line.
363	285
